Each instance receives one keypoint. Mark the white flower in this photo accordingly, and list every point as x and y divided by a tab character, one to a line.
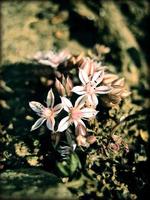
90	86
52	59
76	113
47	114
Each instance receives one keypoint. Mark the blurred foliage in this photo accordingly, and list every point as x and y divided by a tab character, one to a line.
35	183
101	171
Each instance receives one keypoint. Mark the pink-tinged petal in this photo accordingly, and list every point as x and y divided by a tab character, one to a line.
66	103
98	76
49	55
80	90
80	101
83	76
36	106
103	90
38	123
53	64
51	58
64	54
89	112
50	99
64	124
48	62
50	123
58	108
94	99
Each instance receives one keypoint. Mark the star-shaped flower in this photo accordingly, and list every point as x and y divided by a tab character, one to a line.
51	58
47	114
91	86
76	113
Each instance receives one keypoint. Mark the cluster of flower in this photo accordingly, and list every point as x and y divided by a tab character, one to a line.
95	80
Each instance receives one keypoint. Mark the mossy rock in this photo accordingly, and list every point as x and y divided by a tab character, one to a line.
31	183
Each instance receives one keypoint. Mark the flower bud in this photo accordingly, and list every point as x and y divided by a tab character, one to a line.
88	65
68	86
80	130
114	147
119	82
118	91
81	141
109	78
60	88
125	94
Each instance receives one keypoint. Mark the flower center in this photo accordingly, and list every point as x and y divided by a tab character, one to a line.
47	112
90	88
75	114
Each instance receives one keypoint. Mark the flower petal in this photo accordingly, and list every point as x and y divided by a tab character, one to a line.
36	106
94	99
77	122
88	66
98	77
64	124
89	112
48	62
81	122
64	55
66	103
90	100
58	108
50	99
103	89
83	76
50	123
79	90
38	123
80	101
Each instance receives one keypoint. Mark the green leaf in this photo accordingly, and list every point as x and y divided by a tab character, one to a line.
63	169
74	163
